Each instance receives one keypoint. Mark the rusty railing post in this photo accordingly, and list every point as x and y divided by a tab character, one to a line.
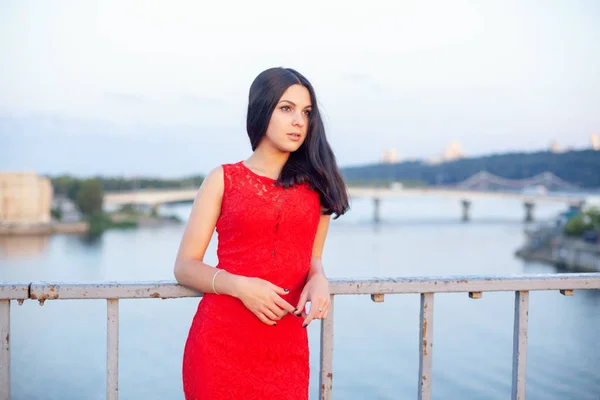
520	345
425	346
5	350
112	350
326	375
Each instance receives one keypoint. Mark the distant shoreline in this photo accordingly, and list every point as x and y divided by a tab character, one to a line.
572	254
81	227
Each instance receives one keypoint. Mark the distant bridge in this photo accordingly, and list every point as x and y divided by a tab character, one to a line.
546	181
156	197
465	191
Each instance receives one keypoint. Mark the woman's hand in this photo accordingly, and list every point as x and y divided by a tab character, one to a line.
316	291
263	299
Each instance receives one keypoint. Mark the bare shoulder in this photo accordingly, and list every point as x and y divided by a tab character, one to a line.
214	181
215	175
203	216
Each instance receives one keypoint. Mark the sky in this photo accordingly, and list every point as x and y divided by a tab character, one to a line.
160	87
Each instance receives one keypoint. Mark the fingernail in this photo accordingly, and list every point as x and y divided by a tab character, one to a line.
295	310
286	290
274	324
304	325
299	315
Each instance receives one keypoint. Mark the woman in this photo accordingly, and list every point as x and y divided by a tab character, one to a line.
271	213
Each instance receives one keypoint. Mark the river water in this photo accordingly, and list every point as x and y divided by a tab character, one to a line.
59	349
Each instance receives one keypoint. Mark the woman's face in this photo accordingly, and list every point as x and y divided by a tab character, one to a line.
289	122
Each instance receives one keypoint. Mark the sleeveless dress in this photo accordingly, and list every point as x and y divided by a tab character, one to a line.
267	232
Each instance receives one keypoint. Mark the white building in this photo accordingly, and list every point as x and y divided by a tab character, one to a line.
554	147
453	152
389	156
25	199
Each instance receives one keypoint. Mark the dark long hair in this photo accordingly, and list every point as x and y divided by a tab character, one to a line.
314	162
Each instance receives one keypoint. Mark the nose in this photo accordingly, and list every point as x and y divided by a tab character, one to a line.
298	119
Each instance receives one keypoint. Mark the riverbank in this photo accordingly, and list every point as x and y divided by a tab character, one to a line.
110	221
81	227
572	254
129	219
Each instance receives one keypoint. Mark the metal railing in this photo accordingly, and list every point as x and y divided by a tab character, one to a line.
377	288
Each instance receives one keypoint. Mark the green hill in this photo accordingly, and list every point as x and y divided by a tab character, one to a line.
581	168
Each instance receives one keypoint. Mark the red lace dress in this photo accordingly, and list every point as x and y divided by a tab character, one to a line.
264	231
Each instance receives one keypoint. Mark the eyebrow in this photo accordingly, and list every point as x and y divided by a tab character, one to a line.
292	103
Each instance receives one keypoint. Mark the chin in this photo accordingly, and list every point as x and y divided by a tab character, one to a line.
290	148
296	148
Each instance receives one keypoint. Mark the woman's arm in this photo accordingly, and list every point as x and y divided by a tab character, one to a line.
316	266
190	269
260	296
316	289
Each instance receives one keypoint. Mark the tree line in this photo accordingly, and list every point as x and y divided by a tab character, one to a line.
88	195
68	186
581	168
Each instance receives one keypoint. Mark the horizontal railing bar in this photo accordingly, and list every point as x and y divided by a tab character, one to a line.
110	290
170	289
14	291
467	284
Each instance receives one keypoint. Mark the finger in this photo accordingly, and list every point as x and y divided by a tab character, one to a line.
270	314
264	319
311	315
301	303
285	305
323	309
321	306
279	290
302	314
274	308
319	313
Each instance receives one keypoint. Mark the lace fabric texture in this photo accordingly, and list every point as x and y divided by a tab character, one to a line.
268	232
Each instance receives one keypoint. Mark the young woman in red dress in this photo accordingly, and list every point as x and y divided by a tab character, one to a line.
247	340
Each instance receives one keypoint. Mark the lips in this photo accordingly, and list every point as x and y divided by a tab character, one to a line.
294	136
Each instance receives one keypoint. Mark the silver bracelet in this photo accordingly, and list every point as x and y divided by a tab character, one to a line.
213	280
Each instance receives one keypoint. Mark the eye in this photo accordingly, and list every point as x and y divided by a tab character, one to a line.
285	108
307	112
